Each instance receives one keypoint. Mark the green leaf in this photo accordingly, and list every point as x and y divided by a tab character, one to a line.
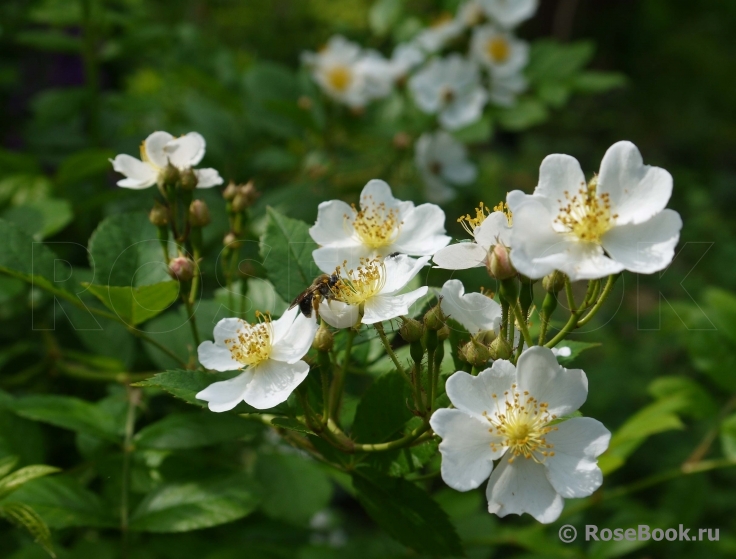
549	60
10	483
383	409
576	348
598	82
83	165
24	516
24	258
291	424
135	305
699	404
294	488
62	502
68	413
407	513
185	384
728	437
384	14
7	464
480	131
525	114
722	311
182	507
193	430
286	250
41	218
125	251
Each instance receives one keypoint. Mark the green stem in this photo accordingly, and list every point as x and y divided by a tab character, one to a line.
602	299
406	440
325	369
570	296
504	318
339	378
191	318
521	321
381	334
133	399
83	373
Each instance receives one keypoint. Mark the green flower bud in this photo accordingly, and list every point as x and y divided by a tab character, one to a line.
500	266
169	176
245	197
158	215
323	339
434	319
475	353
189	179
411	330
230	191
443	333
500	348
199	213
182	268
554	282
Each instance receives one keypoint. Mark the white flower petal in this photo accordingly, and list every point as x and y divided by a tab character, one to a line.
494	229
577	442
467	458
186	151
138	173
273	382
460	172
522	486
296	341
422	232
461	256
380	308
153	146
475	395
207	178
464	110
400	270
559	174
563	390
225	395
338	314
645	247
327	258
637	191
281	327
377	192
334	224
509	13
217	357
228	328
474	311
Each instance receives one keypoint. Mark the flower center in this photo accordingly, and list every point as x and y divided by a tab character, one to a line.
498	49
470	224
252	345
522	422
375	225
359	285
339	77
435	167
586	214
447	94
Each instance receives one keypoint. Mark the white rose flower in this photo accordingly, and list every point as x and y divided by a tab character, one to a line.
443	161
269	353
348	74
157	151
499	51
382	226
487	230
404	59
471	13
588	231
450	87
505	88
441	32
506	413
373	288
475	312
509	13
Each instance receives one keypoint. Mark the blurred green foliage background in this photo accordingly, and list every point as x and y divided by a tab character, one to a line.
81	81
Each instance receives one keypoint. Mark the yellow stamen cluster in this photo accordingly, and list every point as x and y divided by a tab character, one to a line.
355	287
498	49
522	422
376	225
504	208
471	223
252	345
586	214
339	77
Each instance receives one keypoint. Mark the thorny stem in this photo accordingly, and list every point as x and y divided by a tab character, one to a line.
702	449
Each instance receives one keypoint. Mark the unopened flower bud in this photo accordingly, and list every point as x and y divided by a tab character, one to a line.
475	353
246	197
199	213
554	282
169	176
158	216
230	191
189	179
231	241
443	333
411	330
434	319
500	348
402	140
323	339
500	266
182	268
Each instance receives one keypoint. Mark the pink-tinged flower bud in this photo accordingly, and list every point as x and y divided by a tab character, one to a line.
158	216
475	353
189	179
199	214
554	282
182	268
500	266
411	330
500	349
323	339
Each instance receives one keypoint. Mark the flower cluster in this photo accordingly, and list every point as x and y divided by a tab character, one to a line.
513	418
